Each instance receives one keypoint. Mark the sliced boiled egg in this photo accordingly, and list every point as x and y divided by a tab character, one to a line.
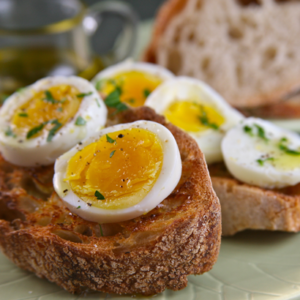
46	119
134	80
121	173
198	110
258	152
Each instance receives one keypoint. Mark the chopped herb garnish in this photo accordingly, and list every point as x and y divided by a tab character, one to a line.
49	97
35	130
204	120
84	94
146	93
9	132
112	153
53	130
101	232
60	109
113	99
99	196
80	121
23	115
248	130
262	161
20	90
78	207
131	101
109	139
261	132
286	149
97	101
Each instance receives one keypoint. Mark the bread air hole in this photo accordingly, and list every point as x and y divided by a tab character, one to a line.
68	236
10	214
30	187
235	33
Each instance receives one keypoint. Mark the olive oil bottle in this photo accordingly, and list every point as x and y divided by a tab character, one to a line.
20	67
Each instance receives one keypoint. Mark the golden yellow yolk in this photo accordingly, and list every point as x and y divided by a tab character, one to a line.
135	86
193	117
58	103
122	166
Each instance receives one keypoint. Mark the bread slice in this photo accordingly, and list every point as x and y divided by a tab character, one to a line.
146	255
247	50
249	207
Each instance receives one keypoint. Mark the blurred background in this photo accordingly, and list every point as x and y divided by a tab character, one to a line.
112	25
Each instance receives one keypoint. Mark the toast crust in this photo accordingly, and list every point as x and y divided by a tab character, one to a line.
146	255
249	207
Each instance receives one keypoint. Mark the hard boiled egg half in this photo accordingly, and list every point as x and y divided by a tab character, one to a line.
120	173
44	120
260	153
198	110
134	80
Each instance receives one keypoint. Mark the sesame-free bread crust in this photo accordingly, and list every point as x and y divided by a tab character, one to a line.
250	207
244	49
146	255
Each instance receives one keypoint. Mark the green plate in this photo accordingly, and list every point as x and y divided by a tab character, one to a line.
252	265
256	265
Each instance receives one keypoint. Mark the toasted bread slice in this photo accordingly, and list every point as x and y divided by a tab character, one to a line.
146	255
247	50
249	207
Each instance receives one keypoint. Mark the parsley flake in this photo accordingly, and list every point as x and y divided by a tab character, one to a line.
204	120
262	161
99	196
113	100
261	132
33	131
248	130
53	130
101	231
9	132
112	153
78	207
84	94
80	121
146	93
286	149
23	115
109	139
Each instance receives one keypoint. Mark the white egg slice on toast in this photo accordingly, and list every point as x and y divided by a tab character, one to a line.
259	153
197	109
81	197
36	127
135	80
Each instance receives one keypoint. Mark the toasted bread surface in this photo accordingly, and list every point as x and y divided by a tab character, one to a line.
246	50
249	207
146	255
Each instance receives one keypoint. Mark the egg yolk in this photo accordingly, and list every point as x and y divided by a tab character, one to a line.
192	116
135	86
118	170
46	110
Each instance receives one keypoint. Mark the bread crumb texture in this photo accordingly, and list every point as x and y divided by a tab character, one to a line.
248	50
145	255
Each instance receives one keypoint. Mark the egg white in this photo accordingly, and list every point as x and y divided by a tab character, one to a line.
164	185
241	152
184	88
130	65
37	151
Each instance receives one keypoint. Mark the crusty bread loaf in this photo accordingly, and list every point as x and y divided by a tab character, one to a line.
248	50
249	207
146	255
